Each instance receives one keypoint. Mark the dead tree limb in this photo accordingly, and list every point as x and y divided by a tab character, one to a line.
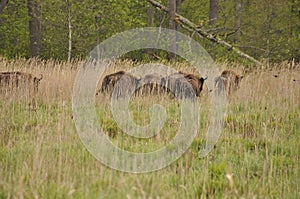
188	25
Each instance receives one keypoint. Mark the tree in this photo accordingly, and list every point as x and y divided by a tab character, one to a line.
213	12
3	4
187	24
14	28
238	18
178	10
172	26
34	28
70	31
264	29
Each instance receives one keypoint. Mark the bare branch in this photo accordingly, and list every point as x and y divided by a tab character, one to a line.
187	24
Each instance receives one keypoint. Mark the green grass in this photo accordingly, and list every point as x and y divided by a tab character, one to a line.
257	154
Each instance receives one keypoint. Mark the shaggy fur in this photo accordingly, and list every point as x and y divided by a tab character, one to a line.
19	80
228	81
126	81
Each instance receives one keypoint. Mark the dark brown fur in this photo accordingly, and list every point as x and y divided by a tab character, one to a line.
154	83
228	80
181	82
17	80
110	81
196	82
150	84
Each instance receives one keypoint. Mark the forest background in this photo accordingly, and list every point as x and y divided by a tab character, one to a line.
268	30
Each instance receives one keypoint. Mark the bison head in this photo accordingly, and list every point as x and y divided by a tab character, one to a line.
228	80
196	82
110	80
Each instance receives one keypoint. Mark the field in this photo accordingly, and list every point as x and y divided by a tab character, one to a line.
257	154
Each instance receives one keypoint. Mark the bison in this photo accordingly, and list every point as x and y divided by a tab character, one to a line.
110	80
150	84
126	81
180	84
228	81
196	82
19	80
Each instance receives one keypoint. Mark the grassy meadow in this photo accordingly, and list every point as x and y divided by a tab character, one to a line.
257	154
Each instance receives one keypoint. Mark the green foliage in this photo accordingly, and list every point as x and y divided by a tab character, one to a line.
14	36
269	30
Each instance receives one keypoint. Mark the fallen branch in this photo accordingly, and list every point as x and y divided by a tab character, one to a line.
187	24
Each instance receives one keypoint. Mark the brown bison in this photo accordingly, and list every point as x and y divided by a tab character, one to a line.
19	80
126	81
150	84
196	82
180	84
228	81
110	80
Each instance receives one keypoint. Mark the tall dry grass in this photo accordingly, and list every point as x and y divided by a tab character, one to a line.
257	155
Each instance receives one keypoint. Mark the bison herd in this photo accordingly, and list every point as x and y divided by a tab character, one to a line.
179	84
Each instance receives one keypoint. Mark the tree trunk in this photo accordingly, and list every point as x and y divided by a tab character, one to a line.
98	30
294	30
178	10
34	28
172	25
213	12
238	17
268	27
70	32
3	4
150	13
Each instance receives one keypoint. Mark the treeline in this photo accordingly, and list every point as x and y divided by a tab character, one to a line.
267	30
